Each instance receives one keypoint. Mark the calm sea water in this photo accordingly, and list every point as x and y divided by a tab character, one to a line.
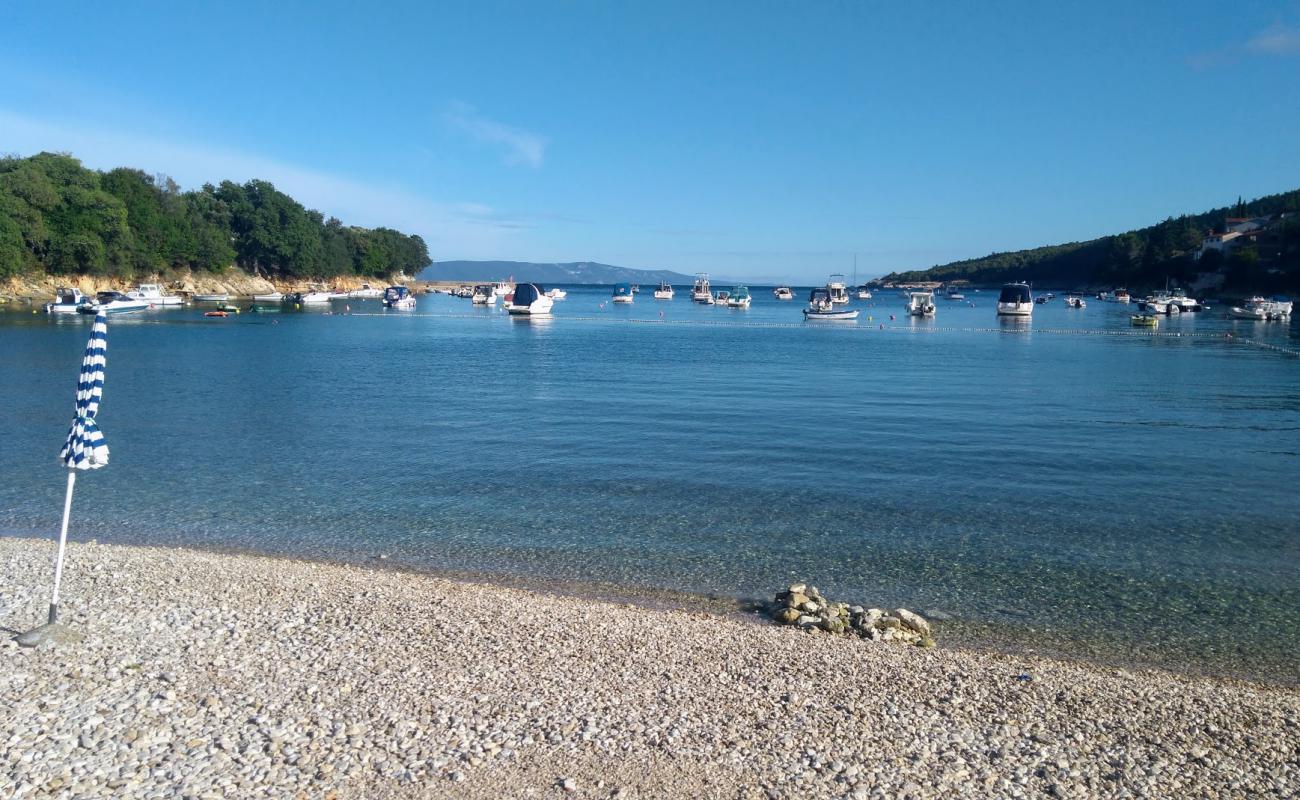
1061	483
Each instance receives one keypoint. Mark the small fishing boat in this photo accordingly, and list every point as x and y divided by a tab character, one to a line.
555	293
211	298
366	292
111	303
265	308
66	301
398	297
920	304
152	294
783	293
664	292
1145	320
739	297
1118	296
623	293
1250	312
1074	301
229	308
1041	299
314	298
270	297
701	292
863	292
464	292
484	295
822	307
1015	301
722	297
838	291
530	300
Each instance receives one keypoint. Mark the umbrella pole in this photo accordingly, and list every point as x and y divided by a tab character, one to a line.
63	542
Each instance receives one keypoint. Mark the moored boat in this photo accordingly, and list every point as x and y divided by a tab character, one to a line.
783	293
484	295
555	293
863	292
739	297
529	300
111	303
1015	301
314	298
701	292
838	290
211	298
398	297
1144	320
623	293
152	294
822	307
665	291
269	297
66	301
920	304
366	292
1074	301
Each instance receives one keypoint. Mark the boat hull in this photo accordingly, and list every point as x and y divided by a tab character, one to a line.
829	316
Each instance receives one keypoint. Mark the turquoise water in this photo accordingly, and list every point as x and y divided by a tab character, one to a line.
1068	482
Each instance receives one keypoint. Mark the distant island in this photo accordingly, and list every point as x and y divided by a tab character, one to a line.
59	218
570	272
1250	246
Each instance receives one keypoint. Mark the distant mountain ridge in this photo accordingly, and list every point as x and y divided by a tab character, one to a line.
570	272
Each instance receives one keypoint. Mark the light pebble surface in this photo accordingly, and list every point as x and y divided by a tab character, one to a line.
212	675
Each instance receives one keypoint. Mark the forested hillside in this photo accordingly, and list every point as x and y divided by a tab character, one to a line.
1144	258
58	217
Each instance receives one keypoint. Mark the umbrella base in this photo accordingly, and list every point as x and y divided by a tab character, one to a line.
50	633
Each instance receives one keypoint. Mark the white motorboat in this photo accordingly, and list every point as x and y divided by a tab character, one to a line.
314	298
838	291
366	292
739	297
484	295
66	301
953	294
555	293
1015	301
464	292
1258	308
722	297
783	293
920	304
1074	301
863	293
623	293
111	303
1165	302
211	298
398	297
1117	296
270	297
701	292
504	288
822	307
664	292
530	300
152	294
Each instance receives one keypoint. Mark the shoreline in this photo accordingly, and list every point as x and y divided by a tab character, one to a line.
972	635
241	674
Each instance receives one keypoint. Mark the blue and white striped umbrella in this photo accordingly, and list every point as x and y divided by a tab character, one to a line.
85	447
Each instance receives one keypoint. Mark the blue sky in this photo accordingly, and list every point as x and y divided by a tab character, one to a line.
760	139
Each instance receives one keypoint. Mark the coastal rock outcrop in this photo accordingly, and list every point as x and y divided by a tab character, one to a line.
804	606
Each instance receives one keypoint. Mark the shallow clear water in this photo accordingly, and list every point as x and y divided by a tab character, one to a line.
1069	480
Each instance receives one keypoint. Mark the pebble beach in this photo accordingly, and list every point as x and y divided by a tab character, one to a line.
210	675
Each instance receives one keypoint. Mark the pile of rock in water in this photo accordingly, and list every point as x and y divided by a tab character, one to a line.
804	606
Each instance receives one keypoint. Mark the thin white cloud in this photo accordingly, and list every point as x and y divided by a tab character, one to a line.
1277	40
520	146
467	228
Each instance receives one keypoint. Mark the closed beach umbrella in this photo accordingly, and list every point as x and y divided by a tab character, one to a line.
84	449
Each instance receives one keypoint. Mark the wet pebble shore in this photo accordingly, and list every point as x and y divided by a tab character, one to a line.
209	675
